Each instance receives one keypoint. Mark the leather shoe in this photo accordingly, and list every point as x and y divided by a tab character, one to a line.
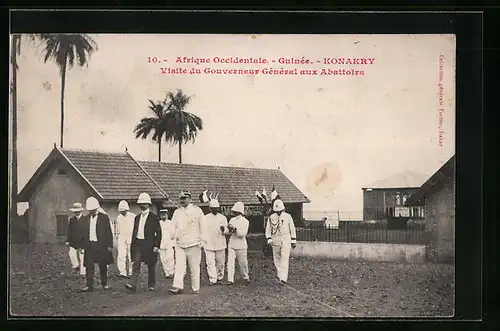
175	291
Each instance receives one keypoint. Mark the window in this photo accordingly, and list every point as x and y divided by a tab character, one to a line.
61	225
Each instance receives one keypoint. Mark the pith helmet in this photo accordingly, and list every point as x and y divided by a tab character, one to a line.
91	203
144	198
278	206
123	206
239	207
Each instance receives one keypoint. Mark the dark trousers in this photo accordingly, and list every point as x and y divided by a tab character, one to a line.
137	263
103	271
94	257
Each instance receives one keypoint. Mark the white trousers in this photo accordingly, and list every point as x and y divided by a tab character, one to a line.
123	258
216	261
241	255
167	260
193	256
76	259
281	255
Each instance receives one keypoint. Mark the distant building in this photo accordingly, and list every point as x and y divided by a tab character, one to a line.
68	176
438	196
386	199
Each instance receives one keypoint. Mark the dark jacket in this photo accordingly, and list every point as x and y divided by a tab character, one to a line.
152	238
99	252
76	232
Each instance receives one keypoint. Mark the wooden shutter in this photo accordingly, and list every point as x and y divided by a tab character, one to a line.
61	225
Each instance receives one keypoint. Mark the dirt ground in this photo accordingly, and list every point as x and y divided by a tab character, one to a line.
41	285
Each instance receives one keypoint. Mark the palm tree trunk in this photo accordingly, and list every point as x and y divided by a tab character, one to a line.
159	150
16	39
63	83
180	150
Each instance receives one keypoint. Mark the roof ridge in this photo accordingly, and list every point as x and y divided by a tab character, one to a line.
61	151
206	165
90	151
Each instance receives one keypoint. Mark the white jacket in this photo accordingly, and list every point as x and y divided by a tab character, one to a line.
238	240
213	238
167	234
280	229
124	227
187	223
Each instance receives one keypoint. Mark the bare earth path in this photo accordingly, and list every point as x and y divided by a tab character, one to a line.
40	285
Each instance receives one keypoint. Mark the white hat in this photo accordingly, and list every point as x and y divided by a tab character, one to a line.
239	207
214	203
144	198
76	207
123	206
185	194
278	206
91	203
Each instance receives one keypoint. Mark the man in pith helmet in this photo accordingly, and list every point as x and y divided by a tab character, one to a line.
98	238
75	238
280	234
237	230
215	242
124	228
188	223
145	243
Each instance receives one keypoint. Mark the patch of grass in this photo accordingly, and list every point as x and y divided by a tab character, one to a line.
41	286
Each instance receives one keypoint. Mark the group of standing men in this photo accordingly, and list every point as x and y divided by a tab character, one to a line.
178	242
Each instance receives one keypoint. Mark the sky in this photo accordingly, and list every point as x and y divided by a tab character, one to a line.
327	133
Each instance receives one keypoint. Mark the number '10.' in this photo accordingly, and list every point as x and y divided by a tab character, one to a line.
153	59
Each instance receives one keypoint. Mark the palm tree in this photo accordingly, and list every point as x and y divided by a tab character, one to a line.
171	122
63	49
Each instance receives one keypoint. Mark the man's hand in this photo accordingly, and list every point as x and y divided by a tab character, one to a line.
293	245
222	228
269	241
110	249
66	243
155	249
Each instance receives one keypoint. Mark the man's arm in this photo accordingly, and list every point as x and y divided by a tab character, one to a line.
268	231
291	227
109	233
158	232
242	231
69	232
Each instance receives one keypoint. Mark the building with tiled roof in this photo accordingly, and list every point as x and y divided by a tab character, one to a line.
68	176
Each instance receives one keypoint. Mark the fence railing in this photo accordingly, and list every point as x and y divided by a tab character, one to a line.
363	232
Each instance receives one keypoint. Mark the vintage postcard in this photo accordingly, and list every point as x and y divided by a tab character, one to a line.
232	175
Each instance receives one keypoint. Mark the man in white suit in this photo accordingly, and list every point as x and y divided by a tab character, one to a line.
124	228
188	222
280	234
215	242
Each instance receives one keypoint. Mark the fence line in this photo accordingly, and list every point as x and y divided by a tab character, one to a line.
360	232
